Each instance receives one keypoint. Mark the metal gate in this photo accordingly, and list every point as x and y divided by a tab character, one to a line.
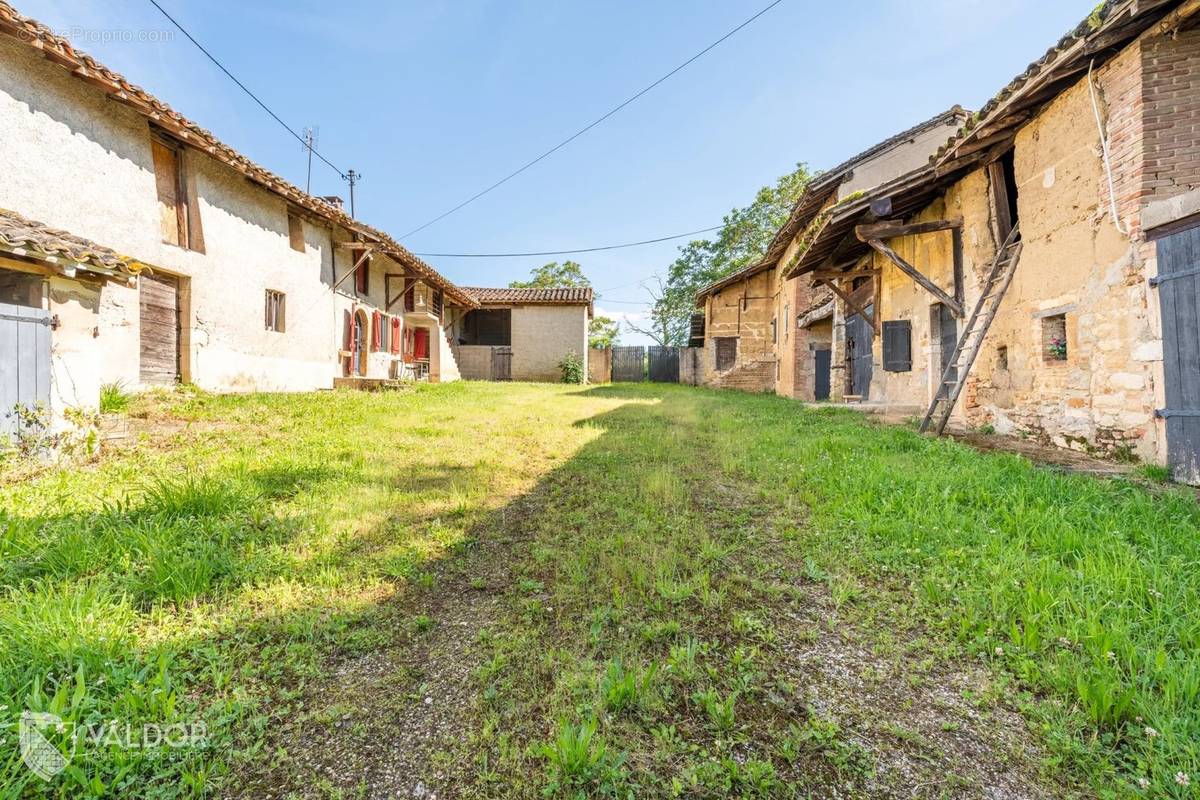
1178	285
664	364
629	363
858	353
501	363
24	348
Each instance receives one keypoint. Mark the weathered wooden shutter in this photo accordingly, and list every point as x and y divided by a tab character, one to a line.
395	334
167	180
376	330
726	352
897	345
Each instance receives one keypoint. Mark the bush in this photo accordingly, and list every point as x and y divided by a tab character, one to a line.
113	398
572	368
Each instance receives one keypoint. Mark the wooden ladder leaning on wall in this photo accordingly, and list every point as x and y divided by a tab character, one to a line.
969	344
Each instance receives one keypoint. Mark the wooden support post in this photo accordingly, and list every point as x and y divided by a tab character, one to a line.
387	289
353	269
957	244
855	307
912	272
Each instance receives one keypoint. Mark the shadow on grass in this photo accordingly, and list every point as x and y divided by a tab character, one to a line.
624	550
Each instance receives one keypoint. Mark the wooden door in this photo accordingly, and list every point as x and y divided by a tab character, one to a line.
947	343
24	347
821	382
358	345
502	363
1178	285
159	321
859	338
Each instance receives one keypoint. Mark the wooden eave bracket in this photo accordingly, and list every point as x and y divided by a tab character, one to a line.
922	281
855	307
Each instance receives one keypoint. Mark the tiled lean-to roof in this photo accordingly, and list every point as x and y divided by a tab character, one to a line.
1108	29
60	51
817	194
26	237
559	295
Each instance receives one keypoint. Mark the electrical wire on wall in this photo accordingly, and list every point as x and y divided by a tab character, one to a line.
1112	191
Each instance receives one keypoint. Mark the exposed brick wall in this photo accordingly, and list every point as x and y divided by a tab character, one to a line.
749	376
1122	97
1171	107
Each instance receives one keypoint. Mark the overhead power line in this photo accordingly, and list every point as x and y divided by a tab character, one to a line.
243	87
570	252
586	128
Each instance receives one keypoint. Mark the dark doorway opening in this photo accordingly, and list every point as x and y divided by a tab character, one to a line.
487	326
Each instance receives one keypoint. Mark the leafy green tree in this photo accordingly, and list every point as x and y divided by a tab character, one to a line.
742	241
603	332
553	275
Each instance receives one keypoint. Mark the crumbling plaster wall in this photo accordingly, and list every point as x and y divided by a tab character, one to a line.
1075	263
743	310
900	298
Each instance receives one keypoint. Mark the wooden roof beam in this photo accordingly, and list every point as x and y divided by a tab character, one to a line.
892	229
922	281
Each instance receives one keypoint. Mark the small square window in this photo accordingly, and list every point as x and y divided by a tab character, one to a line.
1002	357
275	311
1054	338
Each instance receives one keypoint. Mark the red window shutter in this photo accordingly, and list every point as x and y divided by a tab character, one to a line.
395	334
376	330
349	339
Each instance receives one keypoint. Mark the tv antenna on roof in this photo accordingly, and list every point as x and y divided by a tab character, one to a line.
312	137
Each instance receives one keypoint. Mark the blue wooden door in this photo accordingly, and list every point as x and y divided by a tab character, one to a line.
1178	285
859	337
24	347
824	363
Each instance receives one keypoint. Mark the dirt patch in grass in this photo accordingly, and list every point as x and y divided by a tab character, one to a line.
642	624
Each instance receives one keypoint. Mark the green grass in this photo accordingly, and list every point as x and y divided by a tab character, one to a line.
114	399
667	547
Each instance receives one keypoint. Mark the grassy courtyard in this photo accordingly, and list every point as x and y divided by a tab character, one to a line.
519	591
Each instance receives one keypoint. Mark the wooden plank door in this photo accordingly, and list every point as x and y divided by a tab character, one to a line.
1178	285
859	337
24	348
947	342
501	363
821	382
159	320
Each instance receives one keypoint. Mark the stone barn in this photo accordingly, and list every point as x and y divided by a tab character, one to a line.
1038	275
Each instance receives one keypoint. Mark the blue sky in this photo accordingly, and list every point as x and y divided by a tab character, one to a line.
433	101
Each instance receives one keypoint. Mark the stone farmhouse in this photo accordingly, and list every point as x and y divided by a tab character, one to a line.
136	248
1038	274
745	324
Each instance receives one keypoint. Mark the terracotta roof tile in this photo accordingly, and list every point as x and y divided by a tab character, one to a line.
561	295
17	232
